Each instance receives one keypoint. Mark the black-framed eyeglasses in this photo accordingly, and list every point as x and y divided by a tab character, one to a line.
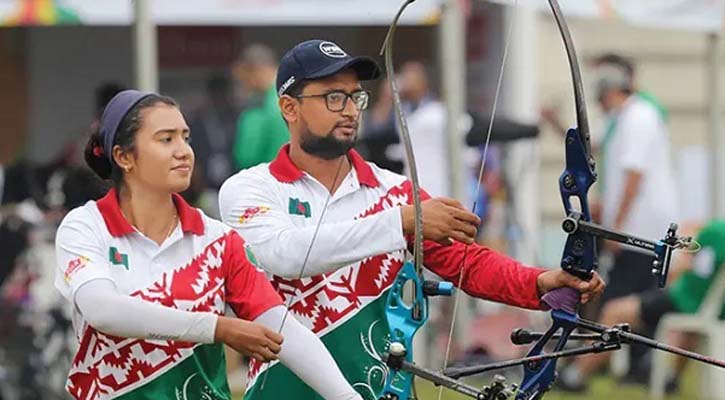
336	100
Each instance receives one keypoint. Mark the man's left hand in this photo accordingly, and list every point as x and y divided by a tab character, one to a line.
556	278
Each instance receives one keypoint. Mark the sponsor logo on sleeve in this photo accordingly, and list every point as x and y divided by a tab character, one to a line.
252	212
74	266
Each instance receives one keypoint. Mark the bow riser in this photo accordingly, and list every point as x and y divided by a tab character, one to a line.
580	254
404	323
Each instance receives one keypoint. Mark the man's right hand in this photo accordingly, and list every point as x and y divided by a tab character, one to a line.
248	338
444	220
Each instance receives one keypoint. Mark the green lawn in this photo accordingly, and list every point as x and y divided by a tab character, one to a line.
601	388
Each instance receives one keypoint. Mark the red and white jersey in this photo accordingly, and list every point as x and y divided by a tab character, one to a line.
358	249
202	266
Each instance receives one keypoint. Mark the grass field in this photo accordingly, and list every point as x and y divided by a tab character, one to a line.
601	388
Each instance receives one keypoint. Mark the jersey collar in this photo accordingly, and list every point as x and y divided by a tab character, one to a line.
191	221
284	170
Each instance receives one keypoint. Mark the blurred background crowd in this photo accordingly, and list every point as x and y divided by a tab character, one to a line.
652	73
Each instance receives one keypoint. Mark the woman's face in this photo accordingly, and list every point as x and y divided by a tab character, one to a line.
163	159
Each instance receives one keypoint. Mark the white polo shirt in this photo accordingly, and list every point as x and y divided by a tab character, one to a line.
640	142
201	266
357	252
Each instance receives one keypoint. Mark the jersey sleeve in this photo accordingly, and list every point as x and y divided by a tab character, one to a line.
486	274
249	204
248	291
80	254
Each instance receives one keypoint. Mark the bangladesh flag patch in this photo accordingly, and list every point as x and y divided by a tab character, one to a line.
297	207
252	258
115	257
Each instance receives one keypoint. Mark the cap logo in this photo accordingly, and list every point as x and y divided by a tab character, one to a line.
332	50
289	82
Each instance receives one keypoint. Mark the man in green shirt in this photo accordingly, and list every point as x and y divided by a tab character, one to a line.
644	310
261	131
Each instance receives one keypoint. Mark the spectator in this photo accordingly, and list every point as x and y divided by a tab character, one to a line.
426	118
261	131
636	180
213	129
636	184
379	140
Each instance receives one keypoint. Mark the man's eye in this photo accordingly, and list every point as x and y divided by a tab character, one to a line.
336	97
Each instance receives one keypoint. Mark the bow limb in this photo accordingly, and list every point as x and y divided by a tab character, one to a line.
405	135
404	318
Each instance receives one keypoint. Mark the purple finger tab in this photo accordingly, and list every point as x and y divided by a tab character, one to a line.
564	299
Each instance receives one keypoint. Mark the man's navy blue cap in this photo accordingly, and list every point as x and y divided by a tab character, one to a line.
316	59
114	113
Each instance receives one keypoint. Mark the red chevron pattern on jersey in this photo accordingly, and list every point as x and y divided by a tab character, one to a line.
321	301
106	365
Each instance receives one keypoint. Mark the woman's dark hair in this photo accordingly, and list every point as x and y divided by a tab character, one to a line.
125	138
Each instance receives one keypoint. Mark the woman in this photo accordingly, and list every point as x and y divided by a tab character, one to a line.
150	277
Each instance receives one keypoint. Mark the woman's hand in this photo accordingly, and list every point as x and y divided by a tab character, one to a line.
248	338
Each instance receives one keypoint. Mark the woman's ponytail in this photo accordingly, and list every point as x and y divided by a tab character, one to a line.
96	159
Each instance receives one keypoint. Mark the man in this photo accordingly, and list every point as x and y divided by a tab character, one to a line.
214	127
636	180
361	220
636	186
260	130
644	310
426	117
379	138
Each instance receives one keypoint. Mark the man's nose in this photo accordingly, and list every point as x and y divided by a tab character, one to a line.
350	110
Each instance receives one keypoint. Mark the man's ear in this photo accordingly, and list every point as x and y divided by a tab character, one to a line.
290	108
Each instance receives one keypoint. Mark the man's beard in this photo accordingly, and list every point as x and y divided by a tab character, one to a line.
327	147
